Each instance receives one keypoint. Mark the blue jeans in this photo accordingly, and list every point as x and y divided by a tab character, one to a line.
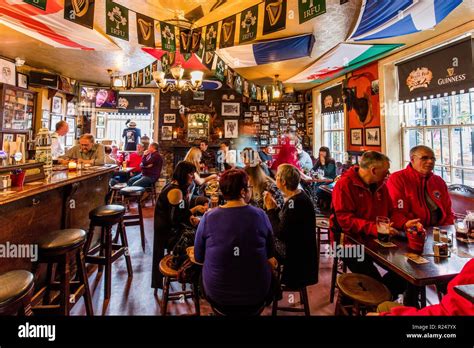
141	180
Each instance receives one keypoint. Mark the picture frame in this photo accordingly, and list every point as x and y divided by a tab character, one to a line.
264	114
231	129
247	114
262	108
253	108
166	132
169	118
57	105
175	102
100	121
372	136
256	118
271	108
22	80
69	139
356	136
281	113
7	72
230	109
54	119
71	109
273	141
198	95
71	121
265	127
100	133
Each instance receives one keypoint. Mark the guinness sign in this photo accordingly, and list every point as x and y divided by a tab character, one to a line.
227	32
275	16
80	12
145	30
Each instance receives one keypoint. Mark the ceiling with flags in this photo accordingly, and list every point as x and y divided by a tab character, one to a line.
45	39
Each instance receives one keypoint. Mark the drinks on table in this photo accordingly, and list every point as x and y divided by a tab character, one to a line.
383	228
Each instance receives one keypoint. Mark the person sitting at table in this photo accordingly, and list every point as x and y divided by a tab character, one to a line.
225	157
451	304
419	193
265	155
151	165
294	225
260	183
250	157
358	197
327	164
194	156
108	155
208	159
173	216
135	158
235	244
86	152
304	159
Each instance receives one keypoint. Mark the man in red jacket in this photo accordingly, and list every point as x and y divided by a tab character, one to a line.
419	193
358	198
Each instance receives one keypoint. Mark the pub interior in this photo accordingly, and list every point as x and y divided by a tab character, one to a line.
339	135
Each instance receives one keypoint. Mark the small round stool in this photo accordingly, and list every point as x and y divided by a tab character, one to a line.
364	292
135	193
171	275
16	289
64	248
106	217
115	192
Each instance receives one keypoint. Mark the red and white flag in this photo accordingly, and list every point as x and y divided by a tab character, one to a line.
50	26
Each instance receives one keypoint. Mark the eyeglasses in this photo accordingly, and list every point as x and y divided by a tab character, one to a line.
426	158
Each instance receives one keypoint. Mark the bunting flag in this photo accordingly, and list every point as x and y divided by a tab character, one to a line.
238	83
165	63
220	69
385	19
148	76
80	12
192	63
196	39
185	40
246	91
145	30
308	9
128	81
253	91
274	18
208	59
154	67
259	94
140	80
268	52
211	37
168	37
116	20
340	60
200	51
134	80
48	26
230	78
264	94
41	4
248	24
227	32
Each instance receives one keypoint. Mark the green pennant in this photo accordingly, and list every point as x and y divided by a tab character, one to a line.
220	69
253	91
80	12
248	24
228	32
208	59
165	63
238	83
148	76
116	20
41	4
211	37
168	37
309	9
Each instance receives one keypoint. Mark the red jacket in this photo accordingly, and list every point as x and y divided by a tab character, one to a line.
356	207
451	304
406	188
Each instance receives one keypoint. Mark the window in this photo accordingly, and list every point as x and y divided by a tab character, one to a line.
446	124
333	134
116	124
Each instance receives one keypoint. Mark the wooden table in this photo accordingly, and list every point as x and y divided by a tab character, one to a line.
437	271
466	291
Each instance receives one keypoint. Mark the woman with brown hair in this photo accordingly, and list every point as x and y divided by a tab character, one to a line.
261	183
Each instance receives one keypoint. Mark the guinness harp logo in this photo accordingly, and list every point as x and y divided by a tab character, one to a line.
185	39
209	56
195	40
80	7
145	28
227	28
274	10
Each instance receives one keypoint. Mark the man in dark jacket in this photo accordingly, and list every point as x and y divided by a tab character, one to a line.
131	136
151	166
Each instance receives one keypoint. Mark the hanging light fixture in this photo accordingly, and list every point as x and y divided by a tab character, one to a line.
115	81
178	84
277	88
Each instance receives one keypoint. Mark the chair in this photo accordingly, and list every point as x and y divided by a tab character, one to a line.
322	229
338	267
171	275
64	248
115	192
462	199
359	294
135	193
16	289
303	299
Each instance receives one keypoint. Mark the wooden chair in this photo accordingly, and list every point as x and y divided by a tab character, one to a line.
303	299
322	229
462	199
16	289
338	267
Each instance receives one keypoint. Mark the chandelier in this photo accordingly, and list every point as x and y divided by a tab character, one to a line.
178	84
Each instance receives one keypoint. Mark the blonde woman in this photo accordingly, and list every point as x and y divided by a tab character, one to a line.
261	183
194	156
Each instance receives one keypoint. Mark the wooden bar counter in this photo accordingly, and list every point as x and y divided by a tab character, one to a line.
61	201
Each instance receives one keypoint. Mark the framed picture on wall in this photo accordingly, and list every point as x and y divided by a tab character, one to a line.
356	136
230	109
372	136
100	133
253	108
169	118
54	119
100	121
71	109
175	102
7	72
198	95
166	132
71	121
231	128
57	105
21	80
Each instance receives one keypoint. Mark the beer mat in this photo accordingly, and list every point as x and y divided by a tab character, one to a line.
386	245
416	258
464	254
465	240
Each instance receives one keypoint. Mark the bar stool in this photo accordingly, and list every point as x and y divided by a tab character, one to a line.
135	193
115	192
362	294
106	217
64	248
171	275
322	229
303	298
16	289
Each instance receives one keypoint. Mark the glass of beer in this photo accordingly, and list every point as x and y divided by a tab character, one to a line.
383	228
214	201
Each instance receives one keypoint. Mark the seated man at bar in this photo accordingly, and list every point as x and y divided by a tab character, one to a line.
86	152
57	149
208	159
151	165
419	193
357	199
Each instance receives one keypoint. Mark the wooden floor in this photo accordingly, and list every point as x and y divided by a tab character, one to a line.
134	296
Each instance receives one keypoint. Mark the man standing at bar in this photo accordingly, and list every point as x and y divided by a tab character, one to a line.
419	193
87	152
151	166
208	158
57	149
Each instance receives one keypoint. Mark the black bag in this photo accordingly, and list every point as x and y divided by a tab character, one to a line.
185	240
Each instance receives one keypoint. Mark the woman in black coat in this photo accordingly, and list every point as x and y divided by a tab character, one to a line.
295	226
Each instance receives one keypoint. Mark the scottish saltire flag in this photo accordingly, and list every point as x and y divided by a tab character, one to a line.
385	19
50	27
267	52
341	59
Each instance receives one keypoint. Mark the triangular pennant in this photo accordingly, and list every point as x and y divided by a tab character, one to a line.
196	39
230	78
211	37
145	30
238	83
220	69
274	16
185	40
253	91
168	37
248	24
80	12
227	32
246	91
208	59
